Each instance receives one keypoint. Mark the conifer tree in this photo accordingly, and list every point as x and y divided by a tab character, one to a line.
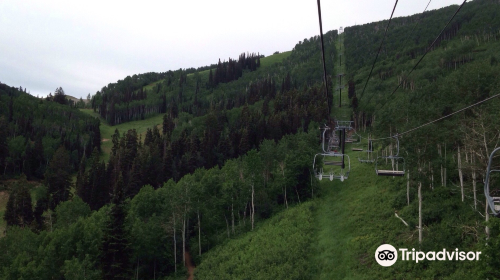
3	141
115	247
57	177
19	210
80	178
116	141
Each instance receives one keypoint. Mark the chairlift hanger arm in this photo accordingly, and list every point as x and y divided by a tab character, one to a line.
491	200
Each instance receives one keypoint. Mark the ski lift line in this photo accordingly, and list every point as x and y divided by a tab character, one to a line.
416	24
426	52
449	115
323	53
427	6
441	118
379	49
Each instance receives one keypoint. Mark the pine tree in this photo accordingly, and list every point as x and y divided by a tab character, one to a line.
116	141
60	96
3	141
19	210
244	145
81	179
115	248
96	140
38	157
149	137
57	177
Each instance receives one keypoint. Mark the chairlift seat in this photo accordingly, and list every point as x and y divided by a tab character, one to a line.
335	163
390	172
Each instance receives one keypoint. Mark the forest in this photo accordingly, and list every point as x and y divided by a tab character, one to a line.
225	179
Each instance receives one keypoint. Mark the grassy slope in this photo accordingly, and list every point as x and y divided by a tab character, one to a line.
275	58
141	126
277	249
351	219
264	62
107	131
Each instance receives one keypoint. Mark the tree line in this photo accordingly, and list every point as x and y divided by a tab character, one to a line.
147	235
32	129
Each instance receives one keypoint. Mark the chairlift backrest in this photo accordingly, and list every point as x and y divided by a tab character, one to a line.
393	158
487	180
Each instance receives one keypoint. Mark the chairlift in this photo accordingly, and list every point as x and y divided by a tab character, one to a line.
493	201
356	140
342	174
333	142
395	162
325	150
340	125
351	139
369	151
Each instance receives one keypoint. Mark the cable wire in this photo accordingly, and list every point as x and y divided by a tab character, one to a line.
416	24
323	54
426	52
441	118
380	48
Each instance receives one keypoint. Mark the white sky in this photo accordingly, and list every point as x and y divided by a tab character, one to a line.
84	45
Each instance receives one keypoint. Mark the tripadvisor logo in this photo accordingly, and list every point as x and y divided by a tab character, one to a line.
387	255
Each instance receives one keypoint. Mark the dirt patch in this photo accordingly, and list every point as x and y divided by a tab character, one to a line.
105	140
189	265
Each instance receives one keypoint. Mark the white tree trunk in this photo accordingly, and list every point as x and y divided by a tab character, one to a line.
474	181
445	165
199	234
253	206
408	188
460	175
175	246
232	216
184	239
420	213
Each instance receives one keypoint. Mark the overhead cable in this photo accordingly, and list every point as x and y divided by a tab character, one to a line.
323	54
380	48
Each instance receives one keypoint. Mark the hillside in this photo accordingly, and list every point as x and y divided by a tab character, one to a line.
214	165
354	217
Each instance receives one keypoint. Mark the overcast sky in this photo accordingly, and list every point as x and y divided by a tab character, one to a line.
84	45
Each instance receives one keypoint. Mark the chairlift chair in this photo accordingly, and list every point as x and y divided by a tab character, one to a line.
493	201
325	150
333	142
342	174
356	140
369	151
395	160
347	125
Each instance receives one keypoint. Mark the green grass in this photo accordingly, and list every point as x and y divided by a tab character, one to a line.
107	131
353	218
275	58
4	197
277	249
